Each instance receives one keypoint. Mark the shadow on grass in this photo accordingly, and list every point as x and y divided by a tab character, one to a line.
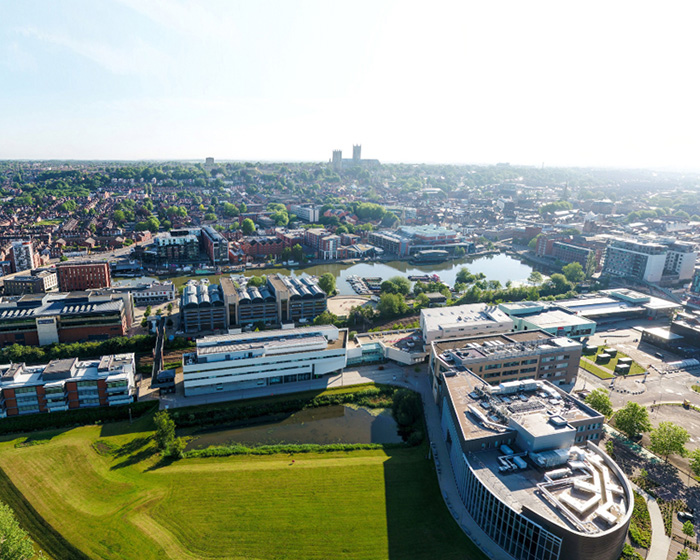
419	526
135	451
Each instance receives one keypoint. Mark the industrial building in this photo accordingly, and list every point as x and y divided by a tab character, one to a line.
510	357
235	362
202	307
528	469
66	385
463	320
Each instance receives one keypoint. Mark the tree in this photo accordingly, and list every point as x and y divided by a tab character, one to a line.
590	264
403	285
421	301
388	287
248	227
147	312
689	528
669	439
559	283
297	253
599	400
15	543
286	254
573	272
165	429
695	461
325	318
391	305
327	283
632	420
406	407
460	252
257	281
464	276
535	278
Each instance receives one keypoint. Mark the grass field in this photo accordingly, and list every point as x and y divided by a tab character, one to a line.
103	489
606	371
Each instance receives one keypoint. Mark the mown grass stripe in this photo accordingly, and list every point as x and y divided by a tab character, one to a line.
44	535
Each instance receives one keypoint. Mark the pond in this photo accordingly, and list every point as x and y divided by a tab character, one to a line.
323	425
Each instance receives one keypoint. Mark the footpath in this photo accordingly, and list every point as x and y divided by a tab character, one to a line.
660	543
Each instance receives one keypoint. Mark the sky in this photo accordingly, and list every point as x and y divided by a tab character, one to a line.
613	84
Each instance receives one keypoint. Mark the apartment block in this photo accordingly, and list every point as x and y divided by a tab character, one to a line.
215	246
75	277
66	385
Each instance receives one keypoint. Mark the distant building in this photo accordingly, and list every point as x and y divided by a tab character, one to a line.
339	163
650	262
214	245
66	385
74	277
308	213
235	362
695	285
22	256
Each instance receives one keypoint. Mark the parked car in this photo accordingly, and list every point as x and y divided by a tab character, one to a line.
685	516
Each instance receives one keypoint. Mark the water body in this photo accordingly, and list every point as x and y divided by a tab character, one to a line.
323	425
501	267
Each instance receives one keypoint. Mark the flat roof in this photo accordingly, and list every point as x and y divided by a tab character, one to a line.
441	318
552	318
410	341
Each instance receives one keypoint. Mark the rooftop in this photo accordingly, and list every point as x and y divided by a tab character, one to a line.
576	487
444	318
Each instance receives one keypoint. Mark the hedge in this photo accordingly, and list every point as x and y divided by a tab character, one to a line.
77	417
372	397
227	451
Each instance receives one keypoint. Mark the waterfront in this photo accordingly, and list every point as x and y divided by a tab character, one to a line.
324	425
500	266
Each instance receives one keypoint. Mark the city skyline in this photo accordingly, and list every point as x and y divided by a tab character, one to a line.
542	83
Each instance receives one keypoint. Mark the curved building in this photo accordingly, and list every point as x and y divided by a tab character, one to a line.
528	469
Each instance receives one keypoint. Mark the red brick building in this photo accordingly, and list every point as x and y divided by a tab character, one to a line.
79	277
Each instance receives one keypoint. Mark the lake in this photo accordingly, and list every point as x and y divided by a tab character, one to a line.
323	425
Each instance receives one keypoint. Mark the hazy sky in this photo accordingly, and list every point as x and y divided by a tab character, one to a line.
560	83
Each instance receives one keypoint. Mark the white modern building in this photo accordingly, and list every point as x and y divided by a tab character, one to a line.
307	213
235	362
463	320
668	260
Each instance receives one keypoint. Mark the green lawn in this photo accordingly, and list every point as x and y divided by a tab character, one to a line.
595	369
635	368
115	501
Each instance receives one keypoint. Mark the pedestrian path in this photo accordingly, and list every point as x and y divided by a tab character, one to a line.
660	543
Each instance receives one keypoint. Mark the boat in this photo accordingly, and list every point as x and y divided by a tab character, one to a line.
422	278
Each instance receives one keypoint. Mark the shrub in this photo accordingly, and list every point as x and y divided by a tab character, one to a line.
78	417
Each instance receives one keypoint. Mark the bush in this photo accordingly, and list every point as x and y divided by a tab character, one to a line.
370	397
78	417
227	451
